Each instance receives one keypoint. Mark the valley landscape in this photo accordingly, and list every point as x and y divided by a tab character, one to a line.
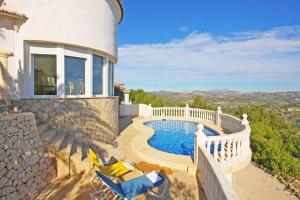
286	103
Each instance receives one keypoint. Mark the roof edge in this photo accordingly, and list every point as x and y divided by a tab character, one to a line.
121	10
13	14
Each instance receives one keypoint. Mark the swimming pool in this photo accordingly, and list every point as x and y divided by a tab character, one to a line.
174	136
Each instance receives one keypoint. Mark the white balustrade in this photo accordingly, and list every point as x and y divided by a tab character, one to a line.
168	112
185	112
214	182
233	147
228	150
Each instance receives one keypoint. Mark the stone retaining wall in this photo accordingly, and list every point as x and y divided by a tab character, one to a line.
83	118
24	167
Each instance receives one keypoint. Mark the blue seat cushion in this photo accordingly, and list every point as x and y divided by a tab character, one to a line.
139	185
116	188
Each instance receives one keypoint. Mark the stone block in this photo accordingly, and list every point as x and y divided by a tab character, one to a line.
21	174
9	189
25	178
3	171
30	181
28	169
12	196
2	139
33	160
12	129
2	154
35	168
42	166
14	123
33	186
37	179
15	182
3	181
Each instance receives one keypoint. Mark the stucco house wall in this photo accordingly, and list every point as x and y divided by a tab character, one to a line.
89	26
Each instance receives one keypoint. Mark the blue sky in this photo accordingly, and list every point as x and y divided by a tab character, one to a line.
202	45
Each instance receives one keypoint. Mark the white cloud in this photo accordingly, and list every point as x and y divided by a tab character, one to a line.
269	57
184	29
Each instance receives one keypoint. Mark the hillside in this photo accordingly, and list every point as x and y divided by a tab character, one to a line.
287	103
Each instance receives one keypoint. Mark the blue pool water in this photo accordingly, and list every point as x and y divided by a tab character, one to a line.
175	137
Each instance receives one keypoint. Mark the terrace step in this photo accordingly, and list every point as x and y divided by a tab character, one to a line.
61	141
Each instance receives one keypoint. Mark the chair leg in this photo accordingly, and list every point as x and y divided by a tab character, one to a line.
162	193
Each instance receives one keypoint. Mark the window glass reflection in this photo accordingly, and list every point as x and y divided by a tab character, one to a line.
74	76
44	74
97	75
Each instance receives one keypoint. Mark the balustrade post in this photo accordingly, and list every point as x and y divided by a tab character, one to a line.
246	141
218	118
228	150
234	146
245	121
187	111
216	144
199	142
222	157
150	111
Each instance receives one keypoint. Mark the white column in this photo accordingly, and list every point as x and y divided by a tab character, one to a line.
26	87
187	111
4	94
199	142
218	118
113	80
126	98
60	71
245	121
150	111
106	78
89	75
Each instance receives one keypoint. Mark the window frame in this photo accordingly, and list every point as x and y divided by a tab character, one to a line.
33	76
111	81
92	82
38	50
76	53
60	51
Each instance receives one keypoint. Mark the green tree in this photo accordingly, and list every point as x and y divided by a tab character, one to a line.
274	141
200	102
139	96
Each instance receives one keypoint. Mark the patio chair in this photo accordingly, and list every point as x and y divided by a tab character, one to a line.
71	87
131	188
114	170
81	86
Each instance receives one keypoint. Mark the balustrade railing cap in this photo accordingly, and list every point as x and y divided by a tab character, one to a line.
219	109
200	127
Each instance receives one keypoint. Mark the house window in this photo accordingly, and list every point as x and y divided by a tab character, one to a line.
74	76
97	75
111	78
44	74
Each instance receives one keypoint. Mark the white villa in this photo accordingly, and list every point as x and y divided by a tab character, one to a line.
59	49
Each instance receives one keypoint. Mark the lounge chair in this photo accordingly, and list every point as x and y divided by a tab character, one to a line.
131	188
117	169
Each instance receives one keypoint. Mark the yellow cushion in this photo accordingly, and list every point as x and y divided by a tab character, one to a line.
95	161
